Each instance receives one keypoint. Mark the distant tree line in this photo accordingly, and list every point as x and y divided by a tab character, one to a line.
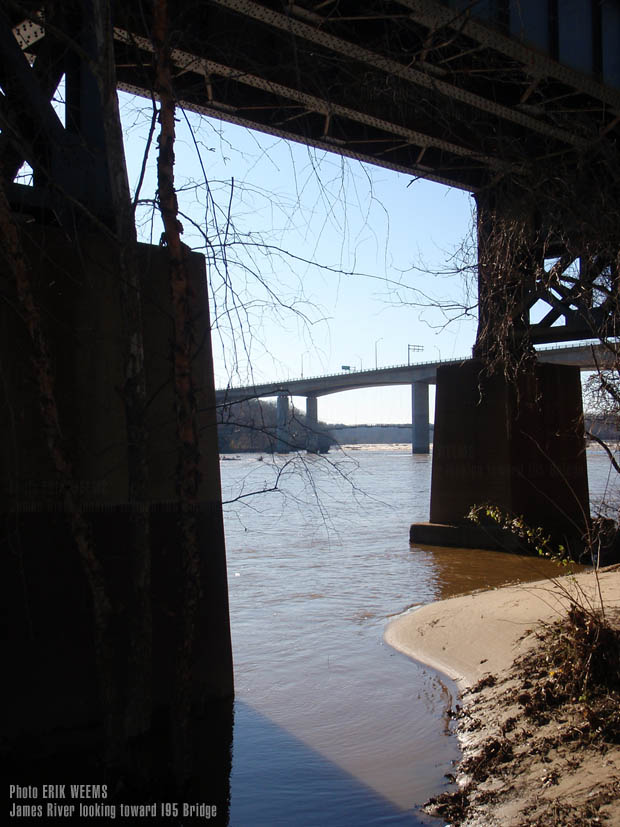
374	434
251	425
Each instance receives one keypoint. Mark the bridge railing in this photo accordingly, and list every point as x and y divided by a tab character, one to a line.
349	373
372	370
561	346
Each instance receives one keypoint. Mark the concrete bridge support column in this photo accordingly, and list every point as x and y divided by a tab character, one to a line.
283	437
510	437
312	436
419	418
515	445
55	684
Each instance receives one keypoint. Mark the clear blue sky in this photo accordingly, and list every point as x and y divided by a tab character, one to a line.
315	261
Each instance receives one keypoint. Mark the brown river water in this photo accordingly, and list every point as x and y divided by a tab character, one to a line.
332	726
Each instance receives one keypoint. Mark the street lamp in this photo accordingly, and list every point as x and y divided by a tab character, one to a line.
415	349
376	343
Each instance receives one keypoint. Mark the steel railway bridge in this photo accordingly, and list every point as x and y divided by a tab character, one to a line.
516	101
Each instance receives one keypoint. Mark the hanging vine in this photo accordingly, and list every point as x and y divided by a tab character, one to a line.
188	466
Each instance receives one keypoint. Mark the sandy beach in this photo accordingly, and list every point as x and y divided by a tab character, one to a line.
475	639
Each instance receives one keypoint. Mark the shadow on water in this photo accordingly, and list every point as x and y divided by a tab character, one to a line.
269	778
278	780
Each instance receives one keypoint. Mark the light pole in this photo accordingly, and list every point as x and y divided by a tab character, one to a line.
360	358
305	353
415	349
376	343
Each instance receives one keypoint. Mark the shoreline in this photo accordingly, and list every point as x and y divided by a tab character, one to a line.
475	639
470	635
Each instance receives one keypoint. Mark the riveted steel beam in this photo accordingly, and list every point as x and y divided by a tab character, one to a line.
534	62
188	62
392	67
225	114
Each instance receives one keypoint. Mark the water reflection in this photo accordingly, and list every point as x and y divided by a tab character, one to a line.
461	571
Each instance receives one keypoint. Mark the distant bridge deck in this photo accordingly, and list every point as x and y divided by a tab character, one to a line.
584	356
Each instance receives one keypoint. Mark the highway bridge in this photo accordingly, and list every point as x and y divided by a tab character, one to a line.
419	375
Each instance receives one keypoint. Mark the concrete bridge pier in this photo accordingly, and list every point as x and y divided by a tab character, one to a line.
419	418
283	439
55	683
515	445
312	436
515	442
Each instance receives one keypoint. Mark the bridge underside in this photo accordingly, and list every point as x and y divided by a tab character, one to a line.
510	102
410	85
413	85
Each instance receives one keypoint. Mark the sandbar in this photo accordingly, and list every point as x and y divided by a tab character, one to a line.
516	770
482	633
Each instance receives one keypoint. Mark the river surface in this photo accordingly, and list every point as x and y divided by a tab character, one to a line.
332	726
